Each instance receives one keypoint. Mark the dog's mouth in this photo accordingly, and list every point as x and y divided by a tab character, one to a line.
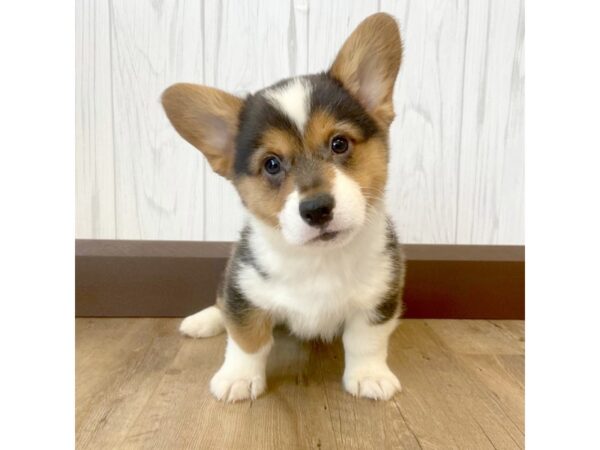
329	236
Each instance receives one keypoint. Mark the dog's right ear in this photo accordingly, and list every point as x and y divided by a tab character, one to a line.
208	119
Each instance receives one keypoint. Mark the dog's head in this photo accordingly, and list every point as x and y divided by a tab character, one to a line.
309	154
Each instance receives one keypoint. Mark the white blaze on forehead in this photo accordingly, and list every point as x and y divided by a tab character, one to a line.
292	99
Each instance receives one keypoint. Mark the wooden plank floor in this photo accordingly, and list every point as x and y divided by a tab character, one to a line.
142	385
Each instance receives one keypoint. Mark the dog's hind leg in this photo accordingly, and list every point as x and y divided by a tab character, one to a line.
206	323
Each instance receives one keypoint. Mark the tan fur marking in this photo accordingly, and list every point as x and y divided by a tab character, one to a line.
252	335
277	142
257	193
261	198
368	166
322	126
310	173
208	119
368	161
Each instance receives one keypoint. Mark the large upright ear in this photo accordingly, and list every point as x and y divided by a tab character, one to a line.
208	119
368	63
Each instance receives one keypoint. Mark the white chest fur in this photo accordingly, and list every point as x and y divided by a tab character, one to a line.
314	290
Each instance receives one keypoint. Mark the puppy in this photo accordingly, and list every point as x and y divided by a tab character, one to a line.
308	157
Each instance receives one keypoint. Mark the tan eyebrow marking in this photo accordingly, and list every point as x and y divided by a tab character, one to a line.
274	141
323	125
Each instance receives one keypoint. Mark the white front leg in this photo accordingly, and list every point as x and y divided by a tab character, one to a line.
365	345
242	375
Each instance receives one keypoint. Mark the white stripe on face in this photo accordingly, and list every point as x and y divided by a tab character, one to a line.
292	99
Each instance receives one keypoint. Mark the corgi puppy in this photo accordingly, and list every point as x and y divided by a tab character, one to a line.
308	157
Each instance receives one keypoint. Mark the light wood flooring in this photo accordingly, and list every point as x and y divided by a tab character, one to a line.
139	384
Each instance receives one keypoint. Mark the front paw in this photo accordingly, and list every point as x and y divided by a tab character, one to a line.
206	323
375	383
235	388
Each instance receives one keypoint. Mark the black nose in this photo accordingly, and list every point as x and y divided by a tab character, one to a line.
317	210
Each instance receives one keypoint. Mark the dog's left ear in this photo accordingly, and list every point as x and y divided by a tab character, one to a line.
368	64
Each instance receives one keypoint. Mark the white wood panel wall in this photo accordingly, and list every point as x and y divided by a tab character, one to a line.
457	166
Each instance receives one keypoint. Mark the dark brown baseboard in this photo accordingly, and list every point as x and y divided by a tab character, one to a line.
118	278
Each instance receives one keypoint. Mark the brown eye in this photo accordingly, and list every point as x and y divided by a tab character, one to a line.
339	144
272	165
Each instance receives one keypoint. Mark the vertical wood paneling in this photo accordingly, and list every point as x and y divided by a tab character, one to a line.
330	23
457	159
299	33
511	201
94	153
158	176
456	171
490	177
425	137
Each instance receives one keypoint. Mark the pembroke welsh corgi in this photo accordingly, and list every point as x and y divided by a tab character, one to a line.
308	157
